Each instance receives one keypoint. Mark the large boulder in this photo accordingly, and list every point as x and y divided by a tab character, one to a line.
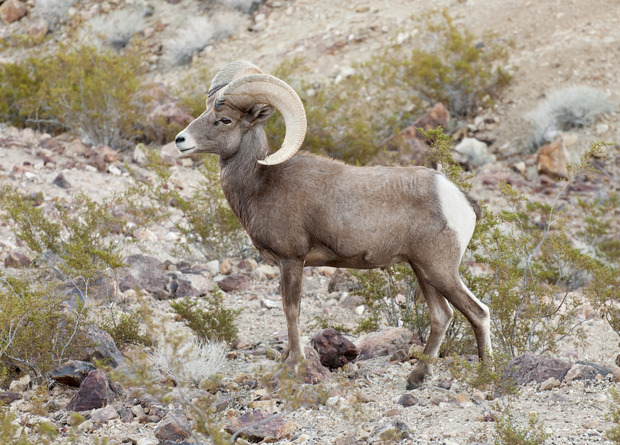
255	427
93	393
12	10
386	342
531	367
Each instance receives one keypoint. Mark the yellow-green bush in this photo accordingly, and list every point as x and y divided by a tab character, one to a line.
93	92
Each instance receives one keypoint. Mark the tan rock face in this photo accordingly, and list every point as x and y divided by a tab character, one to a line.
552	159
12	10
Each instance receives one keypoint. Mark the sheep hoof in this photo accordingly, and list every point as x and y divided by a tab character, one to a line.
416	378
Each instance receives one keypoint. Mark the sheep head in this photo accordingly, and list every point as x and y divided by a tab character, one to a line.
241	97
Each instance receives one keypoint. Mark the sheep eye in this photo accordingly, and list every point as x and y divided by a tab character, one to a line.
225	121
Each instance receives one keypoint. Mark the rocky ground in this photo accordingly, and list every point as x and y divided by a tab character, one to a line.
554	44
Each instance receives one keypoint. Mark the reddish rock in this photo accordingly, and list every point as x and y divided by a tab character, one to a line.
173	428
618	360
93	393
144	273
8	397
315	372
12	10
585	371
386	342
407	400
234	282
269	431
16	260
343	281
410	143
334	349
552	159
531	367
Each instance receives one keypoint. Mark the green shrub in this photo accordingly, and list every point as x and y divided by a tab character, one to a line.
613	433
90	91
208	224
508	432
125	328
215	323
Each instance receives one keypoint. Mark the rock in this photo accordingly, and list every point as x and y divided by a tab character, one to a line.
315	372
343	281
270	304
104	415
616	375
213	267
618	360
93	393
61	181
530	367
72	373
12	10
386	342
21	384
552	159
173	428
144	273
580	372
8	397
392	431
264	272
16	260
226	267
139	154
407	400
101	290
101	347
334	349
550	383
38	28
234	282
462	398
270	431
139	413
473	153
410	143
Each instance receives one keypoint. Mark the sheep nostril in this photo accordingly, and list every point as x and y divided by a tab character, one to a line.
179	139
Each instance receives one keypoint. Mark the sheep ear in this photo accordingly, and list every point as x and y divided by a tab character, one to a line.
259	113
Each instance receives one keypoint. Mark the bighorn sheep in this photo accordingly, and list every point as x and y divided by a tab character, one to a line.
307	210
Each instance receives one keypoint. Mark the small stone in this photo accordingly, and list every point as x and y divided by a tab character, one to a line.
552	159
391	413
399	356
445	384
462	398
271	430
407	400
61	181
234	282
580	372
213	267
16	260
226	267
473	152
173	428
12	10
104	415
385	343
138	411
478	395
591	424
269	304
550	383
360	309
315	372
21	384
616	374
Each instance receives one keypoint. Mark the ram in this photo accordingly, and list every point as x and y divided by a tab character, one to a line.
306	210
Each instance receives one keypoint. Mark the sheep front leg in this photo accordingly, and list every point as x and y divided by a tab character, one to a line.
291	273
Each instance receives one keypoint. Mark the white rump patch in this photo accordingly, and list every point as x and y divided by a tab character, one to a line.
456	208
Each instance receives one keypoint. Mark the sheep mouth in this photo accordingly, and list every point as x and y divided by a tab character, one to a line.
184	150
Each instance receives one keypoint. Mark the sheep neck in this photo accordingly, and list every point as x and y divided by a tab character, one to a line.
241	176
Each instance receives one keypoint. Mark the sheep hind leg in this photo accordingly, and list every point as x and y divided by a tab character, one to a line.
291	272
440	315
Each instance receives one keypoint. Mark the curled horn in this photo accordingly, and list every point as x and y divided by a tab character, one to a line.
249	88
